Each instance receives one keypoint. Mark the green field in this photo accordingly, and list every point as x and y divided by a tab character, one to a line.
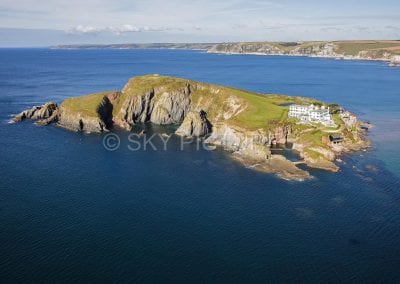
354	47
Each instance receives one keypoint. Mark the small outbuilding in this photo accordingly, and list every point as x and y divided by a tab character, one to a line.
336	139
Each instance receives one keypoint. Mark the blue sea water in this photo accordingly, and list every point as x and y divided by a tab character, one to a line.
72	211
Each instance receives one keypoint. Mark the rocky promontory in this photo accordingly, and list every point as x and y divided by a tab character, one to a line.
246	124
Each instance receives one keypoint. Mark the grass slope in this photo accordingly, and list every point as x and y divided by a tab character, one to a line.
354	47
85	105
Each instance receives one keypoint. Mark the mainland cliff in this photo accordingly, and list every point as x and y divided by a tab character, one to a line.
362	50
246	124
384	50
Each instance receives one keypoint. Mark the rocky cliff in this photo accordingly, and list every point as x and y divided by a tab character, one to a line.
44	114
159	104
243	123
395	60
92	113
366	50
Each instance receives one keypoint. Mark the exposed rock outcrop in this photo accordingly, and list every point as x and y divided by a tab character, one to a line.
158	106
252	144
248	47
76	122
395	60
45	111
171	107
278	165
269	48
317	157
195	124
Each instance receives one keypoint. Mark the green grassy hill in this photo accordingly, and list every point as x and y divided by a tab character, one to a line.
257	111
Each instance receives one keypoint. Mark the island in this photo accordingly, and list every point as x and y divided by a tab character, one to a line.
246	124
382	50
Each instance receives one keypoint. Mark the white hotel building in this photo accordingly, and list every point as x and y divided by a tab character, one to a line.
311	114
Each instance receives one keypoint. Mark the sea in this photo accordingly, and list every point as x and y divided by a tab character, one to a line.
72	210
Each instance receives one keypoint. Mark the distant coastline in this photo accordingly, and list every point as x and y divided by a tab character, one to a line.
190	46
380	50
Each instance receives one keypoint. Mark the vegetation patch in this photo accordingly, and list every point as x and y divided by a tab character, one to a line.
354	47
87	105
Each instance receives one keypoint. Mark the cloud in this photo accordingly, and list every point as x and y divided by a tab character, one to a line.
84	30
123	29
209	20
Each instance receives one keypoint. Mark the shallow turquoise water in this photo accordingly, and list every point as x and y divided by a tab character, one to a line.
70	210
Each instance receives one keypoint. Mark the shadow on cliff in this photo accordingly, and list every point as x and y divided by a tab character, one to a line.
105	111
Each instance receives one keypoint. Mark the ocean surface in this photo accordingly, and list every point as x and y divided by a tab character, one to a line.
72	211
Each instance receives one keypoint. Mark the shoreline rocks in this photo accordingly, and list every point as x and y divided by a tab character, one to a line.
44	111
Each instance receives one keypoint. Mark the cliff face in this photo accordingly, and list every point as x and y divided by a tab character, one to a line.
262	48
395	60
367	50
243	123
195	124
75	122
157	105
99	120
309	49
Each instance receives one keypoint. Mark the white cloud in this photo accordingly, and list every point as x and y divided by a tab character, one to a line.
117	30
123	29
83	30
219	20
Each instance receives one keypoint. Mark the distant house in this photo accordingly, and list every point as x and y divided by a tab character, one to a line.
311	114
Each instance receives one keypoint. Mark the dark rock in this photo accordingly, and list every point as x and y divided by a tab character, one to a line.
38	112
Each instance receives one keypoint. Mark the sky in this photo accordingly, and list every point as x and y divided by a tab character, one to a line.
45	23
